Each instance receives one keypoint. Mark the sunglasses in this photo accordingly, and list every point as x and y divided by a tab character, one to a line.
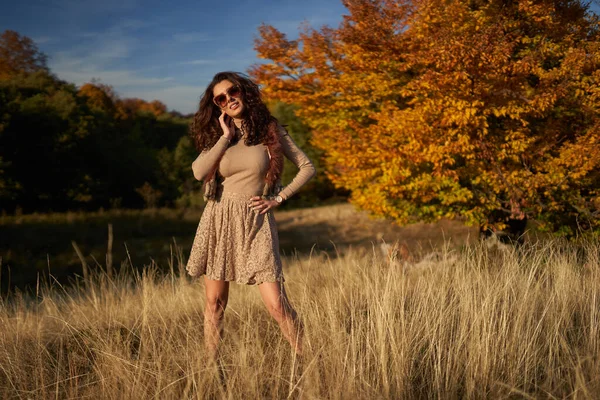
222	99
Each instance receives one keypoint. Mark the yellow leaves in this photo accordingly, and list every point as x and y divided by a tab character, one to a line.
97	97
538	11
475	108
499	112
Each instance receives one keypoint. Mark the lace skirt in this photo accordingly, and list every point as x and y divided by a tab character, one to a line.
235	243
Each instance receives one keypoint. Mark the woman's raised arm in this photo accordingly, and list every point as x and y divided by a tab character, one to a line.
306	169
204	163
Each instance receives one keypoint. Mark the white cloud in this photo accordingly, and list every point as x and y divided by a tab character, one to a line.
97	50
78	7
192	37
43	39
107	56
115	78
130	83
199	62
100	55
133	24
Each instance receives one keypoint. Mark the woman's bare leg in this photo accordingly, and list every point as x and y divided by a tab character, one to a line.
217	293
276	301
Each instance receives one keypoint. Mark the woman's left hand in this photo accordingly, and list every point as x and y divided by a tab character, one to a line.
257	203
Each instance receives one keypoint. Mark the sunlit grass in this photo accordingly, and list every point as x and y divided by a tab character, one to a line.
474	324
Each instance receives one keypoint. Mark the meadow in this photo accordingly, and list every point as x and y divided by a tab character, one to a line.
40	245
456	319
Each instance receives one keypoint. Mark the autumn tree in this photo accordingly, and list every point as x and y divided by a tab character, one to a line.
133	106
474	109
19	54
97	99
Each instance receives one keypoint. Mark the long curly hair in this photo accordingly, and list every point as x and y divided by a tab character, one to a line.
205	129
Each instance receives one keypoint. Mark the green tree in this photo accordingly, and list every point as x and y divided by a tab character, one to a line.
190	192
42	131
320	187
66	147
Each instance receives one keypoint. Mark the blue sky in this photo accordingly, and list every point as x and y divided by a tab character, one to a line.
156	49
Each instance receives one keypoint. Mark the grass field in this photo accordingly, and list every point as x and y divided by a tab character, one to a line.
42	244
471	322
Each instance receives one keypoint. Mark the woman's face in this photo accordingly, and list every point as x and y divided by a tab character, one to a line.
228	97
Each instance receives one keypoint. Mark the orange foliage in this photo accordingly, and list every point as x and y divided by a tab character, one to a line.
102	98
19	54
97	98
130	107
429	109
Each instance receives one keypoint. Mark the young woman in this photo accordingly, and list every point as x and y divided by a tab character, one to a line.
241	149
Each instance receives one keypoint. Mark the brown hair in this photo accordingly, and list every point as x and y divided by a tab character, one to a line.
205	129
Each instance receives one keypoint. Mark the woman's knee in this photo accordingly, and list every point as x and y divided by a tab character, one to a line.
216	304
280	311
217	293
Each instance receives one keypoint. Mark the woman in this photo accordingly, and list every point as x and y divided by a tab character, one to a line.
241	160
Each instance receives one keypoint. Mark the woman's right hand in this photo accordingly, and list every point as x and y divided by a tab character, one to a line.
227	125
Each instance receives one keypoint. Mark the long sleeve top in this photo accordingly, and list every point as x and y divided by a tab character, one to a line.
244	167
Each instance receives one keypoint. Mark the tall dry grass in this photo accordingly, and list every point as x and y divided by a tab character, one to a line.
474	324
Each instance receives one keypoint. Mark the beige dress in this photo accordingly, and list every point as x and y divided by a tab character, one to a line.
234	242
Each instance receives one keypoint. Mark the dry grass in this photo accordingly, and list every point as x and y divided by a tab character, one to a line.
474	324
42	243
